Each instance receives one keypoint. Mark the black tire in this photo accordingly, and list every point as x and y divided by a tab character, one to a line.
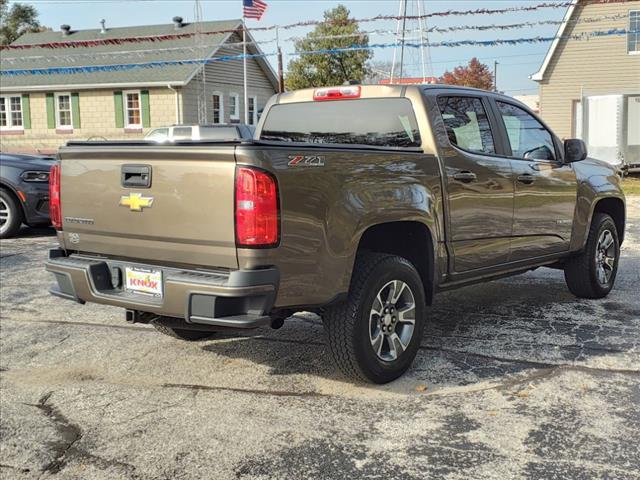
581	271
181	333
348	327
14	211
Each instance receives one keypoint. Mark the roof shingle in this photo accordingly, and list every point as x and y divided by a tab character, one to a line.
139	52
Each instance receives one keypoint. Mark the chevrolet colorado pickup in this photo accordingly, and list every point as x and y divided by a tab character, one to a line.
355	202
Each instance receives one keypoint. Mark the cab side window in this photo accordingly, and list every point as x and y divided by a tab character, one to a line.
528	138
467	124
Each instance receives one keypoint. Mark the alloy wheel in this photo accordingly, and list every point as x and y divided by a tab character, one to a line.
605	257
392	320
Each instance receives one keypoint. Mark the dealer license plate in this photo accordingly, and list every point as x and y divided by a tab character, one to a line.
144	280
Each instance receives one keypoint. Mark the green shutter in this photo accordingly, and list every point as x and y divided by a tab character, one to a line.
75	109
146	114
117	101
26	111
51	111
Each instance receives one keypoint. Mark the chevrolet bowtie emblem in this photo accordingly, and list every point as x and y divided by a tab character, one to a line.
136	202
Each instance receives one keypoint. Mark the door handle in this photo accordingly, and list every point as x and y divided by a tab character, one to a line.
136	176
526	178
465	176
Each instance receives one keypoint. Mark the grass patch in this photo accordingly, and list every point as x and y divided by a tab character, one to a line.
631	185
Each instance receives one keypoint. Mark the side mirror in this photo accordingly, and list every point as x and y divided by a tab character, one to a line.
574	150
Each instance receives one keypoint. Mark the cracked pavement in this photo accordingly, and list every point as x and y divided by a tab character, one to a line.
515	379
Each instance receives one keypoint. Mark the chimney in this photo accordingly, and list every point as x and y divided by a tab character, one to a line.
66	30
177	23
103	29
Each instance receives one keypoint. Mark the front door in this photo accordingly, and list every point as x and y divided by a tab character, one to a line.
479	184
545	187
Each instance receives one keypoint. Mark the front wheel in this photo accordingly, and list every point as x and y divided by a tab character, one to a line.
593	273
375	335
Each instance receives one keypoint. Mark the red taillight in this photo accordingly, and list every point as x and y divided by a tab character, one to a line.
55	211
337	93
257	222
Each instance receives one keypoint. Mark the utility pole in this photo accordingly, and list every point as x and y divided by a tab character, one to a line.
202	84
495	75
280	66
280	73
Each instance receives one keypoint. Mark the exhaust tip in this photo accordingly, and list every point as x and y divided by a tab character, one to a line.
277	323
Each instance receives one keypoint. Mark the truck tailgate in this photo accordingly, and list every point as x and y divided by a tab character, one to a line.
184	216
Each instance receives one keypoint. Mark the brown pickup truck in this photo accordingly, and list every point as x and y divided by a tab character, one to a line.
355	202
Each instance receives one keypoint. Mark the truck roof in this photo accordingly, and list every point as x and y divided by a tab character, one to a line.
393	90
441	87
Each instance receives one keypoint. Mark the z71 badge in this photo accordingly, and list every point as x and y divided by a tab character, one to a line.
306	160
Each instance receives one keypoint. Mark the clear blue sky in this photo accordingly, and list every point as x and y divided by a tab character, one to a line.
516	62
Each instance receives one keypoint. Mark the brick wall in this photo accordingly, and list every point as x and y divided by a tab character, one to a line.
97	118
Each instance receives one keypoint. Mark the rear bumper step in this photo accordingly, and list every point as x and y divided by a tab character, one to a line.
236	299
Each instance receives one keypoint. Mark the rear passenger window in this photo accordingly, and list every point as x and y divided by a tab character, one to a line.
527	136
380	122
218	133
467	124
182	133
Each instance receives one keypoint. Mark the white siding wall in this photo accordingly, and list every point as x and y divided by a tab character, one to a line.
596	66
226	77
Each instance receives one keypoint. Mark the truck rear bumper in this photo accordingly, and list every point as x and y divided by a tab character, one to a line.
237	299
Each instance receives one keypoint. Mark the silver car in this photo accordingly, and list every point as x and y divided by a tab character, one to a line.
178	133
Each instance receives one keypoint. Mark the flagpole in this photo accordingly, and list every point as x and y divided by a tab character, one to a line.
244	71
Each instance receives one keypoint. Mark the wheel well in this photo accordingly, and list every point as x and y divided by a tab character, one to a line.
410	240
614	208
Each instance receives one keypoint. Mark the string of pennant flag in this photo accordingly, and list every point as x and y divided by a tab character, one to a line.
75	57
458	28
306	23
165	63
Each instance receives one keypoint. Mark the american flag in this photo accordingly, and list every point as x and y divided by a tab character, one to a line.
253	8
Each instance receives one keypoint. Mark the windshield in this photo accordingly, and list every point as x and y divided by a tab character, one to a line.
158	135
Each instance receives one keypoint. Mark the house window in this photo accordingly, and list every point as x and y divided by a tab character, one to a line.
234	107
633	35
63	111
11	112
218	108
132	110
253	110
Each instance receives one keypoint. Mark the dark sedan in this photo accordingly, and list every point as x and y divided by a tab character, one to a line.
24	192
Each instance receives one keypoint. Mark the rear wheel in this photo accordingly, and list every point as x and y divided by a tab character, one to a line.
375	335
10	215
181	333
593	273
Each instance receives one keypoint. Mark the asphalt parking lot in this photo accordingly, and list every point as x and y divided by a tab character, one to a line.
515	379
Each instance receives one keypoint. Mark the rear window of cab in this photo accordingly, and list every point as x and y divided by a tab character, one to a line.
379	122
